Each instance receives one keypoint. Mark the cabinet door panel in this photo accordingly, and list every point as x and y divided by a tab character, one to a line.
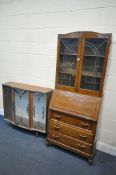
8	103
67	62
93	63
22	107
39	111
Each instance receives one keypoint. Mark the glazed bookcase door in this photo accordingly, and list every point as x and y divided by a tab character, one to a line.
93	64
22	107
67	63
8	103
39	111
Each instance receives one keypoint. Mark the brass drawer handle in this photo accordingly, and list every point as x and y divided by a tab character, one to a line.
55	136
56	127
83	137
84	124
82	146
58	116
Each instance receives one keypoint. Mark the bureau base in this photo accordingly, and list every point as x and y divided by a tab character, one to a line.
72	122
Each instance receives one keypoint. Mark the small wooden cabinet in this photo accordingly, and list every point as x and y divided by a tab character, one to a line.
75	104
26	105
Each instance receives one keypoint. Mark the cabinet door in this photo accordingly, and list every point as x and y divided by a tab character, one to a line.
22	107
67	65
8	103
39	111
93	65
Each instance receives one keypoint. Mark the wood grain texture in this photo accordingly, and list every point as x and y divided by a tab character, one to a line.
73	132
27	87
72	142
78	103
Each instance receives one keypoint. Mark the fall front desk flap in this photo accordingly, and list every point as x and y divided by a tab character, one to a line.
76	104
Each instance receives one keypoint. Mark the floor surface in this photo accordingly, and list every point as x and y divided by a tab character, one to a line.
22	153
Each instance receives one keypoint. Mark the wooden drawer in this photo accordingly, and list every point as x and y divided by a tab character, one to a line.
70	131
75	121
69	141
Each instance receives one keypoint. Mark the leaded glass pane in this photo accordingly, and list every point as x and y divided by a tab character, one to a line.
22	107
67	61
39	111
93	61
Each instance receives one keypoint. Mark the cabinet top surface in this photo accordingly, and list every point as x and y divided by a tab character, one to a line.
86	33
27	87
76	104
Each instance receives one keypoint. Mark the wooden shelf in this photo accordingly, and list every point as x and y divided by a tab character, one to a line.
68	54
102	56
70	73
89	82
89	74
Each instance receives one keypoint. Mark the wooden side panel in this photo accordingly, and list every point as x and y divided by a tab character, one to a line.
8	103
30	109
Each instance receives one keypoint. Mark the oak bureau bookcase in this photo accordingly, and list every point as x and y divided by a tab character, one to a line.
26	105
75	103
